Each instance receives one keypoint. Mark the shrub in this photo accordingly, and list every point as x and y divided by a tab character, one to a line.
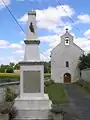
8	108
12	113
9	95
5	106
57	109
45	89
49	82
9	70
47	75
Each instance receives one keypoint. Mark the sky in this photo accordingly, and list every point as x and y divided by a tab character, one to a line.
52	16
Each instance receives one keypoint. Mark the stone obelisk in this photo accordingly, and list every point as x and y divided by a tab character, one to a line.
32	103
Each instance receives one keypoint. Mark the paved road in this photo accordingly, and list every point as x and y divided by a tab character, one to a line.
79	102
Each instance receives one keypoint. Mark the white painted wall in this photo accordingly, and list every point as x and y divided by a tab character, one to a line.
62	53
85	74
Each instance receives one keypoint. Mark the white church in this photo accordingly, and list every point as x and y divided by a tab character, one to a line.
65	59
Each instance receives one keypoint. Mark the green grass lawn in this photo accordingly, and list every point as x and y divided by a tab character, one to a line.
56	93
83	85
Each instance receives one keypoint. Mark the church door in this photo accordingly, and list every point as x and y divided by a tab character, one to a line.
67	78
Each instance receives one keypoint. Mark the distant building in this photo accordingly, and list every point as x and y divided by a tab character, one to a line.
64	60
16	71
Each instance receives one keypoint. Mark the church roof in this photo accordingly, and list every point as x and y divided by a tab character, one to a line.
67	34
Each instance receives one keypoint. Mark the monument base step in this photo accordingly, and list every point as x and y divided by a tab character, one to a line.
32	109
30	119
33	114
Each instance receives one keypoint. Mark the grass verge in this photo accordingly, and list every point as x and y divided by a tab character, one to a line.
84	85
56	93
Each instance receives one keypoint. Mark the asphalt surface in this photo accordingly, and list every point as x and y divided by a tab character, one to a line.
79	106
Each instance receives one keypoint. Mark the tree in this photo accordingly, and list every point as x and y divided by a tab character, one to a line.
2	70
84	62
47	67
17	66
11	64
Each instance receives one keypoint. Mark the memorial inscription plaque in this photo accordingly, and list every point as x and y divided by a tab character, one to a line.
31	81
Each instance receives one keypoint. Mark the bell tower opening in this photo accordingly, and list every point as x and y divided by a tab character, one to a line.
66	41
66	38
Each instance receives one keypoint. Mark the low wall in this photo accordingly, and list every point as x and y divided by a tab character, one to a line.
15	86
85	74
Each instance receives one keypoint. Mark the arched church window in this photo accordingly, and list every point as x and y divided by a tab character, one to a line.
67	41
67	64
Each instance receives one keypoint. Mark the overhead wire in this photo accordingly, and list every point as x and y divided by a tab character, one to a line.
13	17
58	1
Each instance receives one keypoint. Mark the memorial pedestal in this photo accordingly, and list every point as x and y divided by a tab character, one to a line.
33	108
32	103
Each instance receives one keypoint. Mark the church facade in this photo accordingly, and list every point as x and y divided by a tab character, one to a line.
65	59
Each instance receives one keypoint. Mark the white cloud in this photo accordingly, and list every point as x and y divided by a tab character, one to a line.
7	60
51	17
53	40
87	34
7	2
19	52
24	18
15	46
45	56
22	42
59	31
83	43
4	43
84	18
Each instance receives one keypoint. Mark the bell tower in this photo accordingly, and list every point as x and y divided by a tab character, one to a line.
67	38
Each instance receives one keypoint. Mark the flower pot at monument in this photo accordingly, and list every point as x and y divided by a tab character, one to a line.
57	116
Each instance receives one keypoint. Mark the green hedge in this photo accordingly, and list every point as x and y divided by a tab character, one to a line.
9	77
47	75
47	83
